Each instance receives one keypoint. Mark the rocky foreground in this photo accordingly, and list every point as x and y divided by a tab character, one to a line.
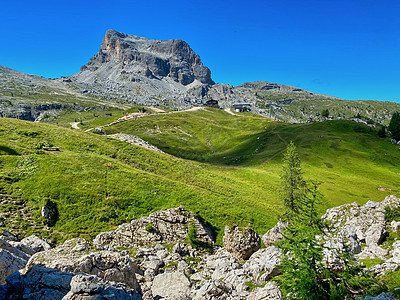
170	254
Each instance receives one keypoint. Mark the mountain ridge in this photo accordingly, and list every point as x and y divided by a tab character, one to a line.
131	70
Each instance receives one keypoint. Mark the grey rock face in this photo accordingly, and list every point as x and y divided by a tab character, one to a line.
172	58
269	291
352	224
75	256
93	287
38	283
175	285
168	226
11	259
274	234
265	262
129	68
241	242
46	283
32	244
395	225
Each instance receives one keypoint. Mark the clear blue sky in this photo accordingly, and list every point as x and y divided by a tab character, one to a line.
344	48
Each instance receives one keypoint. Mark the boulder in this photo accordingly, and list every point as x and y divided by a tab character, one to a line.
395	225
263	264
50	284
241	242
175	285
221	263
50	213
384	268
11	259
207	291
92	287
38	283
35	243
375	234
270	291
274	234
31	244
76	256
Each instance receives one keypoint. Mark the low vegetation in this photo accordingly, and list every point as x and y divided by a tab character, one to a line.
224	167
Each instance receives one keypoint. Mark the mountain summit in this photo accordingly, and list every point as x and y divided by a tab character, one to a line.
132	68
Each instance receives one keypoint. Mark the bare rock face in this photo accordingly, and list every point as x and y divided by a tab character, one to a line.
274	234
76	256
241	242
263	264
168	226
175	285
135	69
352	225
269	291
154	58
92	287
15	255
46	283
32	244
11	259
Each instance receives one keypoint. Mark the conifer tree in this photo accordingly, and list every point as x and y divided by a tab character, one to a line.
382	132
292	182
394	126
305	275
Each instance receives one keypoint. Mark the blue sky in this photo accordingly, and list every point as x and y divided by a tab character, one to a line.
349	49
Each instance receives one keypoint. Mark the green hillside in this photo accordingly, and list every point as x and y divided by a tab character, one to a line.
224	167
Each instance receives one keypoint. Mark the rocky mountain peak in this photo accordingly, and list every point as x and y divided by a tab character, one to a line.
140	57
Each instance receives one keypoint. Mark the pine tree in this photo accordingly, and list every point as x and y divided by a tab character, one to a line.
325	113
292	182
394	126
305	275
301	260
382	132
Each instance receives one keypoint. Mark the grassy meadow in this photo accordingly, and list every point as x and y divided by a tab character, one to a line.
224	167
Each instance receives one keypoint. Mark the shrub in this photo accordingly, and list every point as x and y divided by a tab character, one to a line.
382	132
192	234
150	228
392	214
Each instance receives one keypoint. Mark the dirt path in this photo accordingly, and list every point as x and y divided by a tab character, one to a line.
141	115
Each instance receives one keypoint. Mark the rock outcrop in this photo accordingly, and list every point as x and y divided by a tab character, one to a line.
352	225
168	226
15	255
129	68
77	256
163	264
46	283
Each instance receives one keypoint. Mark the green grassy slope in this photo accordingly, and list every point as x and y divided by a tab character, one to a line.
140	181
228	170
349	158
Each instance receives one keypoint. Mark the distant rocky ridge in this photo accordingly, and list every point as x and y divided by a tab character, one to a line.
152	258
131	70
